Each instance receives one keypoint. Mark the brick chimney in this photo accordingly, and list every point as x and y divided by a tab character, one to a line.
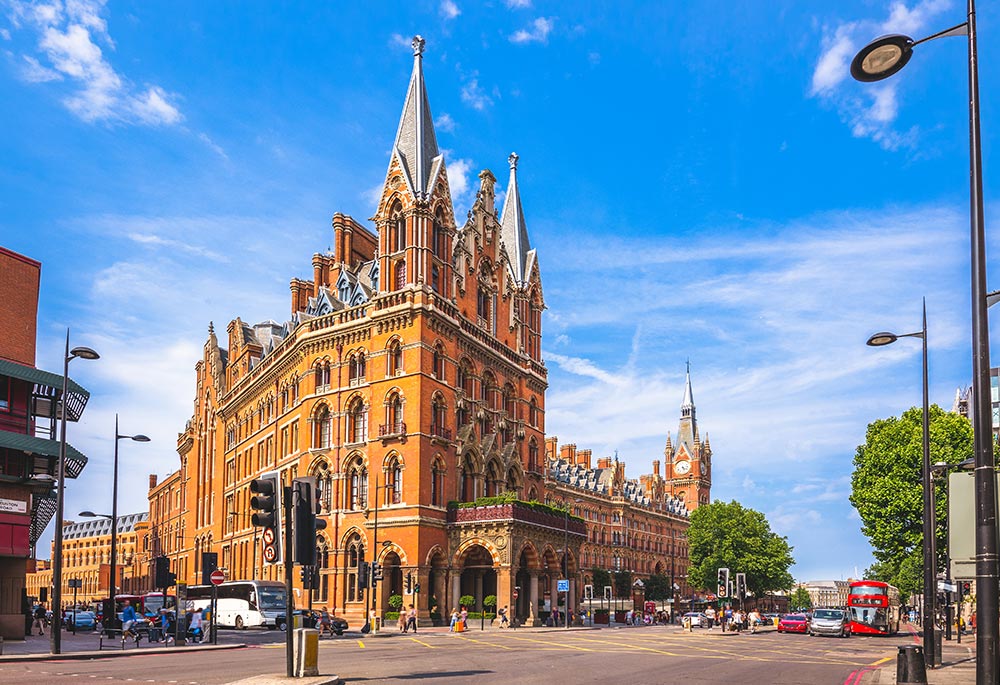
583	458
551	447
604	463
656	468
568	453
152	481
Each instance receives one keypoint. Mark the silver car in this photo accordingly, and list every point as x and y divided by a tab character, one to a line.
830	622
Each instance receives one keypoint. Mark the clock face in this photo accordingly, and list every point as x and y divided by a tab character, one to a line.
682	467
704	468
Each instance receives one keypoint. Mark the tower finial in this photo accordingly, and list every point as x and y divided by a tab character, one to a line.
211	328
418	45
512	160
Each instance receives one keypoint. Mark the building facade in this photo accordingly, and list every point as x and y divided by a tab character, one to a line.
408	381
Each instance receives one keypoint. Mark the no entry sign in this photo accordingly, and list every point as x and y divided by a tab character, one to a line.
217	577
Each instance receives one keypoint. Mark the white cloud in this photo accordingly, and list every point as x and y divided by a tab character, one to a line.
5	34
70	37
445	123
213	146
460	181
398	40
537	32
449	10
517	4
869	111
474	96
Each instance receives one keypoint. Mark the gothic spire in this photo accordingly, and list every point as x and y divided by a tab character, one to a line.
416	143
513	230
687	431
687	404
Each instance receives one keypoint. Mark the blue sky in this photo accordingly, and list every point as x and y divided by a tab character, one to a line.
702	180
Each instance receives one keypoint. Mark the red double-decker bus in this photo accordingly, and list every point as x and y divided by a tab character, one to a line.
874	607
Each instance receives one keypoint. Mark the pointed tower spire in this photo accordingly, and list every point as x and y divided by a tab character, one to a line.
687	431
416	143
687	404
513	230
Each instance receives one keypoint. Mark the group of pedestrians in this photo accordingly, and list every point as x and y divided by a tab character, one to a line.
407	620
734	620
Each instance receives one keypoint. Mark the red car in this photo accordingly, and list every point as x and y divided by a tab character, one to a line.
793	623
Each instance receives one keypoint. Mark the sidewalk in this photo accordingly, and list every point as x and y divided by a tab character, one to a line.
85	646
958	667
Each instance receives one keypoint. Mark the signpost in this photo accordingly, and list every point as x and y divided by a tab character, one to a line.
218	577
75	583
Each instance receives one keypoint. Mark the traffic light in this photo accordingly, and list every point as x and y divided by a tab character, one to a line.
306	522
376	573
409	583
966	588
310	577
741	585
723	582
209	563
267	501
362	574
162	577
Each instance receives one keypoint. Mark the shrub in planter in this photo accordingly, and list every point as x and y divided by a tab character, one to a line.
490	601
467	601
391	616
396	602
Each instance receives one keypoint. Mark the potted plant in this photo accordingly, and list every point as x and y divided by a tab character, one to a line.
490	606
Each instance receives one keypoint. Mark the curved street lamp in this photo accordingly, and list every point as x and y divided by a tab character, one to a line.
878	60
114	506
57	563
930	553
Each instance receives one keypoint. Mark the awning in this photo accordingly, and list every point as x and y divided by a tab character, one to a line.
46	382
75	461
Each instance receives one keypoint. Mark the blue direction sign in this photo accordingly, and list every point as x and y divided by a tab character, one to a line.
562	585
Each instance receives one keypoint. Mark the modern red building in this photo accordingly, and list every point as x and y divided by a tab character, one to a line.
29	449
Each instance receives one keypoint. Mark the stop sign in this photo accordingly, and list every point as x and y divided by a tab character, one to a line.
217	577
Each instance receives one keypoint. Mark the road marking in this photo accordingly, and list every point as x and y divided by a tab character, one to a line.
484	642
421	642
527	639
361	644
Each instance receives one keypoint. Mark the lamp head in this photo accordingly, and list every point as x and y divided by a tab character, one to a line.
84	353
882	58
140	438
88	514
883	338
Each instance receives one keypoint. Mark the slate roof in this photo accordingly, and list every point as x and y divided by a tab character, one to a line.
102	526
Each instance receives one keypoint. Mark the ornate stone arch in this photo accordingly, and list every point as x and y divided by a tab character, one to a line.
458	559
391	548
530	554
435	551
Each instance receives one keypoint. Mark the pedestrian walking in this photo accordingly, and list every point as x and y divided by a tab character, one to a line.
401	621
454	621
710	613
411	619
504	623
39	620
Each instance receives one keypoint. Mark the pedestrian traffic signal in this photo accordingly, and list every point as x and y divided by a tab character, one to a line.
209	564
409	583
741	585
310	577
416	588
306	524
376	573
267	501
966	588
162	577
723	582
362	574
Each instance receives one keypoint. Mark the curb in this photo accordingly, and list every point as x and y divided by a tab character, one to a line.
105	654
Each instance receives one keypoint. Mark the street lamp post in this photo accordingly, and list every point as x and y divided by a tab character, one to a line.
57	562
566	561
878	60
114	506
930	555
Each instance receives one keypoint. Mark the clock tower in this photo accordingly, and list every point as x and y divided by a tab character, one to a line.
689	462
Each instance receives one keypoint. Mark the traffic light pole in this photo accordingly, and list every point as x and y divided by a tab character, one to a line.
289	597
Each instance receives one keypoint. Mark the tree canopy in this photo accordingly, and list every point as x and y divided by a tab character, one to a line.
800	599
887	490
729	535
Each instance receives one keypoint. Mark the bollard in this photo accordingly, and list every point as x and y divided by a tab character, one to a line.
910	667
306	642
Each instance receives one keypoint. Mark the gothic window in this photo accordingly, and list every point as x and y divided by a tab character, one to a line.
394	415
483	304
357	368
355	556
533	413
400	274
394	481
513	481
437	483
395	358
435	278
494	482
533	455
397	229
468	482
439	363
321	430
357	420
322	376
465	377
357	489
439	417
438	237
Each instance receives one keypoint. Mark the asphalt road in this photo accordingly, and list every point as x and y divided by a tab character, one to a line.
641	655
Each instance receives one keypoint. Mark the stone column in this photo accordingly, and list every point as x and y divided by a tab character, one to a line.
456	591
479	590
533	599
505	587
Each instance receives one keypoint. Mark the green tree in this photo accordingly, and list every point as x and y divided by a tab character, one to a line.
657	588
887	491
800	599
396	601
601	579
729	535
623	583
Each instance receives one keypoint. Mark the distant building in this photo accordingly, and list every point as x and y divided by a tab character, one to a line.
29	449
827	593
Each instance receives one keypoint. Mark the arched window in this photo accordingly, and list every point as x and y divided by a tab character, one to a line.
357	488
356	368
468	482
394	481
533	456
533	413
439	418
437	483
400	274
483	300
465	377
321	428
322	378
494	482
400	232
395	358
439	236
438	366
435	278
394	416
357	421
355	557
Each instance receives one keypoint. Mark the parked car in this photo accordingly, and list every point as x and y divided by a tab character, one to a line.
83	620
830	622
698	619
793	623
